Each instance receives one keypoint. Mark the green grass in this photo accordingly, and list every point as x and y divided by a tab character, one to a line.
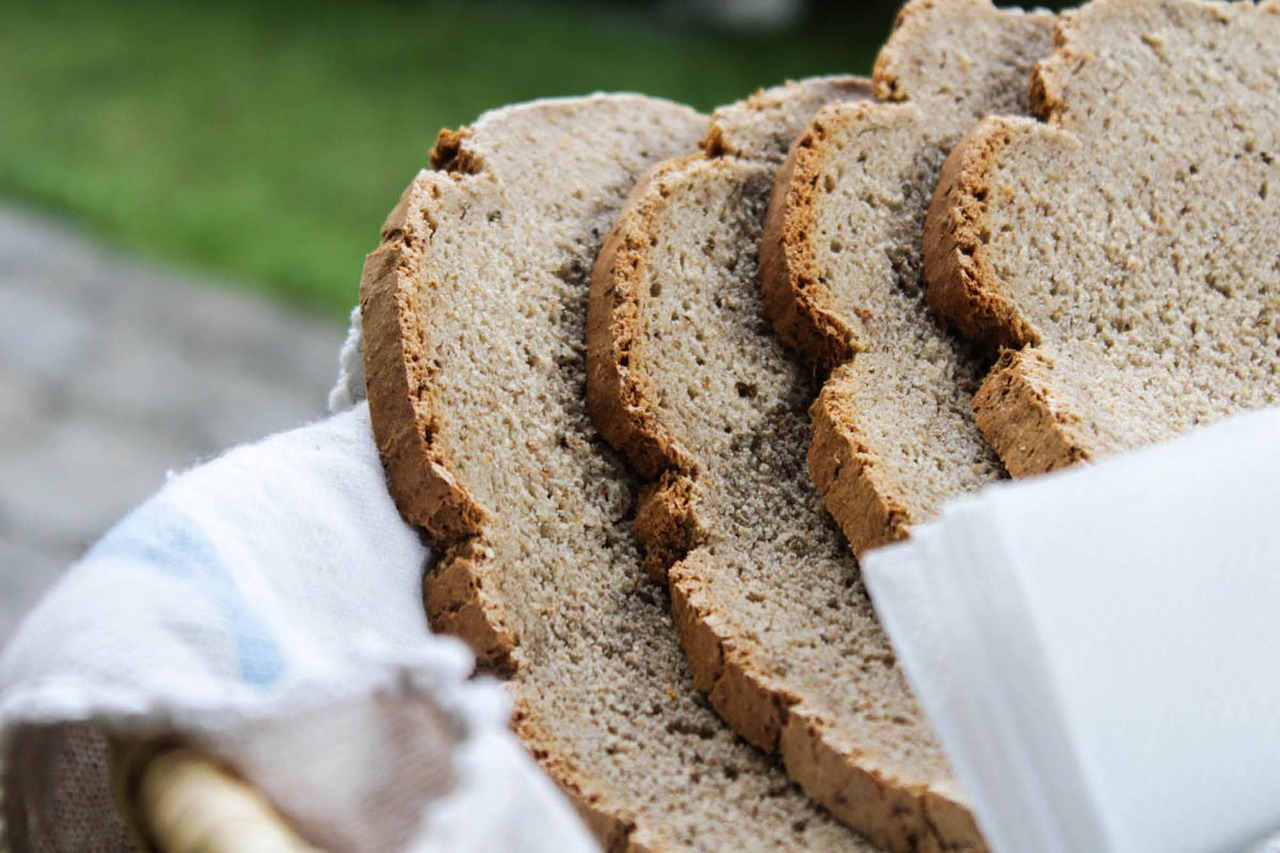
265	142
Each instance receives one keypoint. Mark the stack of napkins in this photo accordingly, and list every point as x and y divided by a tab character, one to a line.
1099	649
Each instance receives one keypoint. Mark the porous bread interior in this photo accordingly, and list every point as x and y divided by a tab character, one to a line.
603	694
773	580
905	399
780	572
1137	233
763	126
908	390
962	59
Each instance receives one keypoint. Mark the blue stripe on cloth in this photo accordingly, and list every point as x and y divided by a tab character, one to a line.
157	536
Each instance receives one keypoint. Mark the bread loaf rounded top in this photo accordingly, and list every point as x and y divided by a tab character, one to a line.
474	312
1123	247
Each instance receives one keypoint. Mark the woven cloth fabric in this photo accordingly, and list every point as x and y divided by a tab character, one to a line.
266	608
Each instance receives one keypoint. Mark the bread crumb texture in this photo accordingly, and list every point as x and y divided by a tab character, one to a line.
475	310
1123	247
894	435
687	377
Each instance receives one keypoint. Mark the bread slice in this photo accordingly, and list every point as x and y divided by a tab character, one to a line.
841	262
474	313
1124	249
686	376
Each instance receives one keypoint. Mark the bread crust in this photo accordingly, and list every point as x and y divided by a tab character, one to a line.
770	716
796	300
964	289
667	522
855	486
756	706
396	373
620	394
1026	422
905	818
1019	408
916	17
404	413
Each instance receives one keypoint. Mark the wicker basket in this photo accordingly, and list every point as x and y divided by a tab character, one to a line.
177	800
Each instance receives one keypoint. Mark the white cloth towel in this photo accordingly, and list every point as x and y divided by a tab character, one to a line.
1098	649
275	584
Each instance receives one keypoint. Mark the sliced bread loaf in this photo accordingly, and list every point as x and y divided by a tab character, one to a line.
686	376
474	313
1124	250
842	267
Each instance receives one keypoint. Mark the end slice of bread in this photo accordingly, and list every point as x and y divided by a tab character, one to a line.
894	436
474	312
1122	248
686	376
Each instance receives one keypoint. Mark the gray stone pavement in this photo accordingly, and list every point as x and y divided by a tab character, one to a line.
114	372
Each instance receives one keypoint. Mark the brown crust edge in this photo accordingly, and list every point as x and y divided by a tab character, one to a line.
963	288
901	818
765	714
795	299
404	416
1022	417
911	819
884	74
398	381
740	692
420	479
1024	414
865	500
857	490
666	522
619	397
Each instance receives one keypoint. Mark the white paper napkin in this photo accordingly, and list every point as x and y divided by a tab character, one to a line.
1099	649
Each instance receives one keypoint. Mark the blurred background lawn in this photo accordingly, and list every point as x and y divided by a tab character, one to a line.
264	142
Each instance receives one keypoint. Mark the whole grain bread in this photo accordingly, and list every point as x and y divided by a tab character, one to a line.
1123	248
474	313
686	376
842	267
